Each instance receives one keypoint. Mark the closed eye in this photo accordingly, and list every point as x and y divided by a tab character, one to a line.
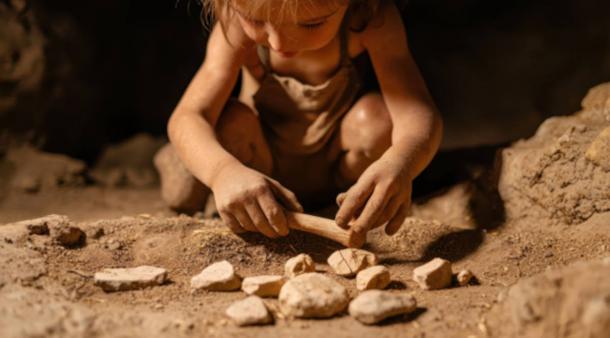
312	25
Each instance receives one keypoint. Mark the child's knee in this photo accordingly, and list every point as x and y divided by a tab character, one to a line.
240	133
368	126
234	115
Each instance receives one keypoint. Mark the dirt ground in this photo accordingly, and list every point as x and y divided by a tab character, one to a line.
516	242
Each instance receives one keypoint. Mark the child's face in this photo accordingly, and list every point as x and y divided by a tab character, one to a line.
314	25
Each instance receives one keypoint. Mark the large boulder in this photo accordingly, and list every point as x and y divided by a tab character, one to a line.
561	173
573	301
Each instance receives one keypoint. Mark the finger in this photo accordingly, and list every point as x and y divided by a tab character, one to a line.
274	213
288	198
354	200
372	210
231	222
259	219
396	222
340	198
242	217
390	211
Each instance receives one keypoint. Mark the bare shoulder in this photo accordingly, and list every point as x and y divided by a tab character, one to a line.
228	45
385	29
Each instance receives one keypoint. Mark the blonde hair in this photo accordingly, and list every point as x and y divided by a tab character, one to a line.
360	11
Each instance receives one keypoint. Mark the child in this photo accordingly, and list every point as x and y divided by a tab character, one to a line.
302	129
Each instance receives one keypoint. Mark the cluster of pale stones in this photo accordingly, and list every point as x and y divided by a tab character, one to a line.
301	291
304	293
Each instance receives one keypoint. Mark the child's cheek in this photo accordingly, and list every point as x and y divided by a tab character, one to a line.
255	34
320	38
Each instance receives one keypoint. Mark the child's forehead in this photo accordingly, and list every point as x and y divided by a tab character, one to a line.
300	10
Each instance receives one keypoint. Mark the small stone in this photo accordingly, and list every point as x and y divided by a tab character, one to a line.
67	235
95	232
435	274
599	150
373	306
312	295
464	277
375	277
219	276
249	311
38	229
263	286
112	244
130	278
299	265
348	262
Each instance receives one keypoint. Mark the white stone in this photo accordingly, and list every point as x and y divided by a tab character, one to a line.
312	295
129	278
464	277
299	265
219	276
249	311
435	274
263	286
348	262
375	277
373	306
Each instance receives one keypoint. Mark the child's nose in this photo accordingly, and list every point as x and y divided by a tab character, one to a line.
276	40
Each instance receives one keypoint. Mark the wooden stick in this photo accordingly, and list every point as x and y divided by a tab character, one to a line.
326	228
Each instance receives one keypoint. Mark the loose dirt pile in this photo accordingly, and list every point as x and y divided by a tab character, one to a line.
562	174
537	257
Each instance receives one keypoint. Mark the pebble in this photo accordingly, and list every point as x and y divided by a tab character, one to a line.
312	295
130	278
435	274
219	276
95	232
373	306
249	311
112	244
375	277
299	265
464	277
348	262
67	235
263	286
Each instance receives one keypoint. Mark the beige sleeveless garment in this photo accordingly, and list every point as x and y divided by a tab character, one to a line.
299	118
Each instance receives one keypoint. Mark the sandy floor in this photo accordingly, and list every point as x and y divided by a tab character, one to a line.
60	298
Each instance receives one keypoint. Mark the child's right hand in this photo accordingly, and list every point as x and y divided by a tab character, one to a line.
246	201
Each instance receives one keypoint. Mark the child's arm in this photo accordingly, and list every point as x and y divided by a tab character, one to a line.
383	191
237	188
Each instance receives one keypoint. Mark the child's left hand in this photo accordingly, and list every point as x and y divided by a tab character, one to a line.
381	194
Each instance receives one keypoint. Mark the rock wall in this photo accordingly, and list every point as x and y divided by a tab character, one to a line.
78	75
562	173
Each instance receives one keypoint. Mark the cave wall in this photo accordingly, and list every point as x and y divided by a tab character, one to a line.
109	69
77	75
